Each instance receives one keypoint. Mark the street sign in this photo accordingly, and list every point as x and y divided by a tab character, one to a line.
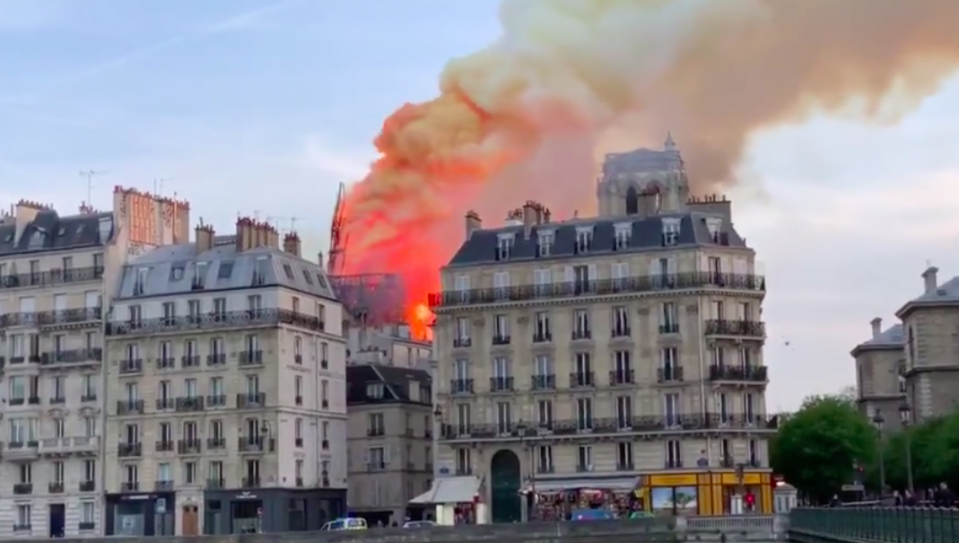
853	488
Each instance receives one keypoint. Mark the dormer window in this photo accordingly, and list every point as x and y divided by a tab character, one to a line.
140	286
36	240
623	232
546	240
584	239
715	227
671	227
504	246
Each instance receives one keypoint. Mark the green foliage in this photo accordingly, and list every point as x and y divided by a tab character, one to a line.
934	450
815	449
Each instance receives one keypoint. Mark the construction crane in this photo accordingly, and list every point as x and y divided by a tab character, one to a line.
338	240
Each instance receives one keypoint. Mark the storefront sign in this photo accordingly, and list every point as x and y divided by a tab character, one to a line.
748	479
673	480
246	495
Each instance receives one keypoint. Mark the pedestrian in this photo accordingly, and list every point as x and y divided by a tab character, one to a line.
909	500
896	498
944	497
834	502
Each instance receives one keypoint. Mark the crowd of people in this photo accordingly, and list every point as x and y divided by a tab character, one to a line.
942	497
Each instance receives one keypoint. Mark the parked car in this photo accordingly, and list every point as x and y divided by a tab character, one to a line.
415	524
584	515
351	523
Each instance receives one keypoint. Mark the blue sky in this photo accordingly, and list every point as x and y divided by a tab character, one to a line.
256	105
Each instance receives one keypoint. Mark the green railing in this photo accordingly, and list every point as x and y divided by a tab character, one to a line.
876	524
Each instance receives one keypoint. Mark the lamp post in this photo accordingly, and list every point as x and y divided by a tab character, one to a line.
878	421
905	411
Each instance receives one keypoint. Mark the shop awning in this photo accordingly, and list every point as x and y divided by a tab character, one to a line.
612	484
450	490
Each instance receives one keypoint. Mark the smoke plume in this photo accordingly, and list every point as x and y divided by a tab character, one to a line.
565	74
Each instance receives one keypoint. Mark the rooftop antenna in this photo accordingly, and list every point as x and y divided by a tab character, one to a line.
292	221
88	175
158	184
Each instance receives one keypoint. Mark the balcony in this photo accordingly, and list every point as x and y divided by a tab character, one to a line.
601	287
739	374
216	360
251	358
625	466
71	357
129	450
669	374
543	382
251	400
500	339
164	445
216	400
130	486
376	465
163	486
251	482
215	443
57	400
255	444
189	446
500	384
132	365
55	487
166	363
87	486
22	489
62	446
165	404
581	335
375	432
542	337
22	450
736	328
620	332
216	483
621	376
190	361
52	318
673	463
669	328
50	278
461	386
581	379
618	425
214	321
88	397
189	404
462	343
129	407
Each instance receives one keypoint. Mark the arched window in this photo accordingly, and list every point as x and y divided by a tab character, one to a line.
632	201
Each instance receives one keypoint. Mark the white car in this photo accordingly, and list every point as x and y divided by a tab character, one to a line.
413	524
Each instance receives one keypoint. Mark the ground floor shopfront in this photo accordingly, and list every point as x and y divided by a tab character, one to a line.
268	510
141	514
706	493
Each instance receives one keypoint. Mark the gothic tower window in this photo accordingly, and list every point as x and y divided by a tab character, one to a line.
632	201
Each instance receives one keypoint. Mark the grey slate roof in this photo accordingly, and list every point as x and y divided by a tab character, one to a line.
50	232
395	379
947	293
890	338
172	269
647	235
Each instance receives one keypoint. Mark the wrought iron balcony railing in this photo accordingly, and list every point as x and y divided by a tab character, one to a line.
229	319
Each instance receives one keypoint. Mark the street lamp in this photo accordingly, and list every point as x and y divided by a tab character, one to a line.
905	411
878	421
527	447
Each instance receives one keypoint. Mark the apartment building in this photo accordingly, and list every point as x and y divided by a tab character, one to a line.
390	447
53	272
621	353
880	373
390	345
226	408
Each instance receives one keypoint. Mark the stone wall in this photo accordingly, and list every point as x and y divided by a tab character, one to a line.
757	529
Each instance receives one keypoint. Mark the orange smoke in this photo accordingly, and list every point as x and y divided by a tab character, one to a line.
523	118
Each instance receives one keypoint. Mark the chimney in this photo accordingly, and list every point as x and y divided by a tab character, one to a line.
473	223
291	243
530	218
876	327
930	279
244	234
547	215
319	259
204	237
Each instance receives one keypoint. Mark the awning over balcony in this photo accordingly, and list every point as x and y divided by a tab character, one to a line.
450	490
626	483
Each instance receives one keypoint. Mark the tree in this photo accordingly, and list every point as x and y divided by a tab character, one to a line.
934	448
817	447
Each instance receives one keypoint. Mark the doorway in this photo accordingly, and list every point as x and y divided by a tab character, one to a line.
57	519
506	479
191	520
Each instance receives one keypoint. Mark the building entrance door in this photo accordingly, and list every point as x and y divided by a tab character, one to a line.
506	480
191	520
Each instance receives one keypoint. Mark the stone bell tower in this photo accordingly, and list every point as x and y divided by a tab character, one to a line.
643	182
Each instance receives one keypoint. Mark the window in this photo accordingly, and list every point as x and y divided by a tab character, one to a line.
504	246
377	458
324	392
462	330
464	462
544	413
89	470
461	369
298	388
375	390
668	319
624	456
190	388
308	277
25	473
288	270
501	285
671	409
164	474
546	240
749	407
463	418
88	512
500	371
504	420
215	470
254	303
193	309
624	412
169	311
252	384
674	454
18	388
545	459
219	308
583	370
375	424
190	473
584	458
131	473
164	391
620	321
753	453
543	366
134	314
622	368
216	386
723	402
584	239
623	232
176	272
199	277
584	414
225	270
298	349
671	228
298	431
501	327
581	324
90	426
295	302
24	515
542	332
669	358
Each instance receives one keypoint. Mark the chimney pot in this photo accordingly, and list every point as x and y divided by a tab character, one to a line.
876	327
473	223
930	279
291	243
